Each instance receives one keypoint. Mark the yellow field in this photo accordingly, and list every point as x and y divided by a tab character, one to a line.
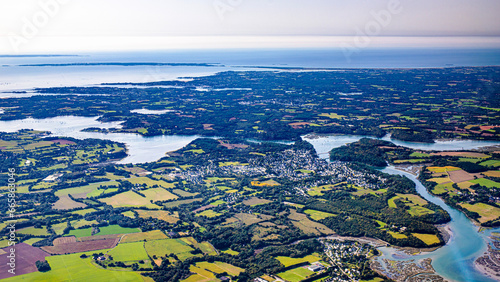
158	194
465	184
332	115
268	183
209	213
129	199
486	212
492	173
429	239
397	235
162	215
149	236
319	190
440	180
308	226
438	169
220	267
444	188
318	215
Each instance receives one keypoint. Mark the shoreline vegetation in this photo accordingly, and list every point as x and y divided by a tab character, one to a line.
267	105
233	208
487	264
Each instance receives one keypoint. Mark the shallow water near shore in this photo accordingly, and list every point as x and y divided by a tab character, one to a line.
454	261
140	149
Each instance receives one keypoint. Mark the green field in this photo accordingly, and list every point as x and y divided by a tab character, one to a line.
34	231
81	232
129	252
90	190
381	224
318	215
486	182
443	188
296	275
288	261
332	115
161	248
116	229
493	163
183	193
319	190
231	252
73	268
469	160
83	212
419	155
59	227
414	202
31	241
397	235
205	247
158	194
82	222
419	211
129	214
376	279
201	275
365	191
209	213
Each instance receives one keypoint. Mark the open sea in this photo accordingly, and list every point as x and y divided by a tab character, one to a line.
15	75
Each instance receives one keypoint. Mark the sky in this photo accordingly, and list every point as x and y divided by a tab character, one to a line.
57	25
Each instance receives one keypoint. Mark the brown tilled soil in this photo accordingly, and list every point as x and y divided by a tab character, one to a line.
78	247
64	240
458	176
26	257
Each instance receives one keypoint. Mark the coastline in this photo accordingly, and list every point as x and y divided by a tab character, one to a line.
487	264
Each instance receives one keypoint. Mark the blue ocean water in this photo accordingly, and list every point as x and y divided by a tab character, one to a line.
315	58
16	76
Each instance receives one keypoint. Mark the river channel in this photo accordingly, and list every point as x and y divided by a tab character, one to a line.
454	261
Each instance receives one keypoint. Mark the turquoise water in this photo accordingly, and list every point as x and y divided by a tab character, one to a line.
324	144
455	260
140	149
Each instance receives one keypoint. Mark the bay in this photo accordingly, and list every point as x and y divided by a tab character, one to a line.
140	149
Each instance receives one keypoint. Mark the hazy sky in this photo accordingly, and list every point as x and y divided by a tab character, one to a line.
29	24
